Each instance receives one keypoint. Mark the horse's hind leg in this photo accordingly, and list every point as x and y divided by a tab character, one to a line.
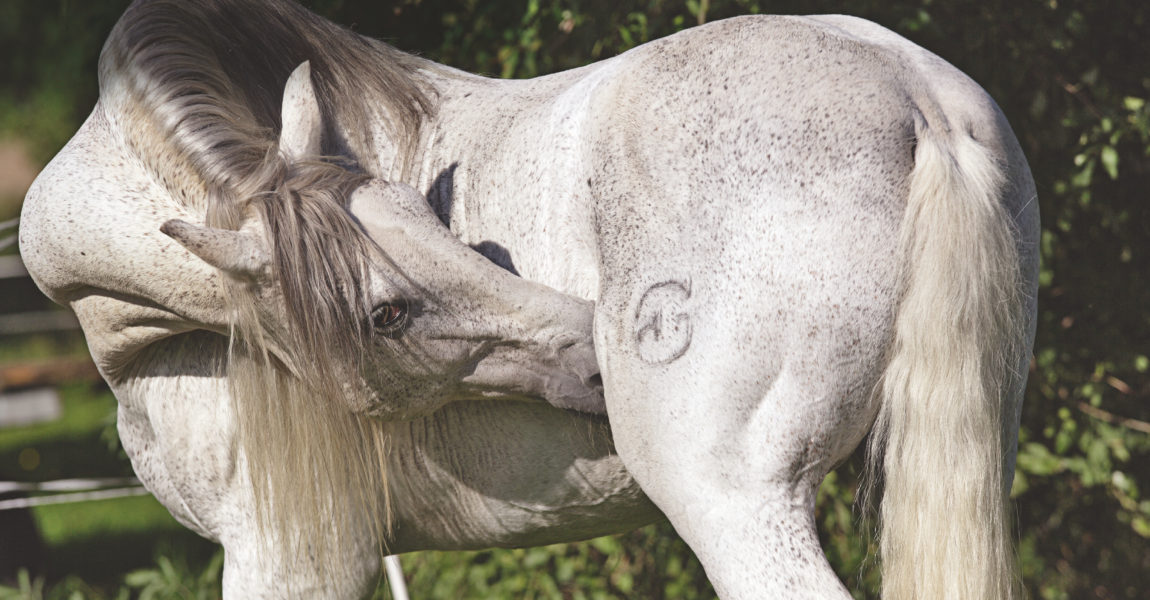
742	498
760	547
731	437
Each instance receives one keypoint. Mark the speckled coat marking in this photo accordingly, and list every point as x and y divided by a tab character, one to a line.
730	197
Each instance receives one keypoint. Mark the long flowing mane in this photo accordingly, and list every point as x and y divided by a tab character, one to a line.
195	90
211	74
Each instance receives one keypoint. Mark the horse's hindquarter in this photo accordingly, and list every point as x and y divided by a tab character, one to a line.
759	168
750	183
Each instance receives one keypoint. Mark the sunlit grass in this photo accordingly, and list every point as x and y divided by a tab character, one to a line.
88	410
63	524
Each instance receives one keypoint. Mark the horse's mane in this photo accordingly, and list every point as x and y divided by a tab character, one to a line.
194	90
212	73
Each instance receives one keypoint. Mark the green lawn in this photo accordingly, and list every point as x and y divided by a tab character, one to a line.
96	541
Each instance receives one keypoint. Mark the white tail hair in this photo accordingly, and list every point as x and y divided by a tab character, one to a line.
945	421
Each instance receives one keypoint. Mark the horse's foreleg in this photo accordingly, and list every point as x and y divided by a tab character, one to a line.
253	570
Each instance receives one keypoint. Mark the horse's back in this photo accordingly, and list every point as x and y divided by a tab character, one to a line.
787	107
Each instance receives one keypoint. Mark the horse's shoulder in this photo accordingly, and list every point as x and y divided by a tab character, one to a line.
64	211
90	239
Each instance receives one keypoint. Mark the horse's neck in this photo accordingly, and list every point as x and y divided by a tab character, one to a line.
503	164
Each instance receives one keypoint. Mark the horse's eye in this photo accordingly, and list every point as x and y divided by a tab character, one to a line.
388	316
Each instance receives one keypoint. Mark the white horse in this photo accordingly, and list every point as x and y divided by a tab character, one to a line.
781	233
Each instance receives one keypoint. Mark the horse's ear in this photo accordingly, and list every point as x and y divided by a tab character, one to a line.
300	116
238	253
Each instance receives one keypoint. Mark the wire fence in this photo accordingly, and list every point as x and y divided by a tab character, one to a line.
8	237
81	490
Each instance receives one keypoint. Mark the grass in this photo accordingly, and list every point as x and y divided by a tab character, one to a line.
10	206
100	541
43	346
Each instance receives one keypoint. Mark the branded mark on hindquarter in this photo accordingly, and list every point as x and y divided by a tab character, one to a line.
663	322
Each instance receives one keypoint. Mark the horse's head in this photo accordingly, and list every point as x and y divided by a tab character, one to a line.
413	317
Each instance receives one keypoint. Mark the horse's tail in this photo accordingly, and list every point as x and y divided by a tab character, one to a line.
948	399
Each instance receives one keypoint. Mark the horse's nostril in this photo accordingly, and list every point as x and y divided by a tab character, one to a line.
594	381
